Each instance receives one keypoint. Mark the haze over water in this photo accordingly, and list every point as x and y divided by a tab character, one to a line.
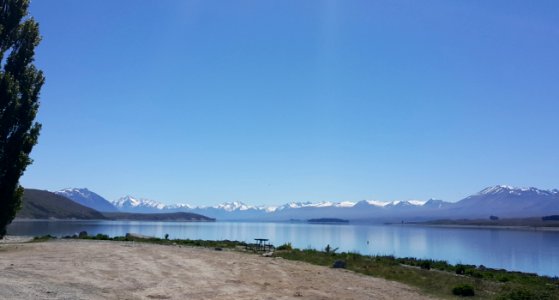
516	250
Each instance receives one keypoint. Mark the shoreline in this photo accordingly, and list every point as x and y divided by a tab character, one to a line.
504	227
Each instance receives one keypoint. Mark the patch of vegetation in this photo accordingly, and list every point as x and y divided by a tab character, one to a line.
524	293
425	265
43	238
439	278
464	290
286	246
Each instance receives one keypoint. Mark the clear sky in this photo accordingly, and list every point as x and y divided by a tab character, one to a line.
268	102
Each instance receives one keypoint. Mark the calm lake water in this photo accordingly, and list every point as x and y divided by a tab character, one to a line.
519	250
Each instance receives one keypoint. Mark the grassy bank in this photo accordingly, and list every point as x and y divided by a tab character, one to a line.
437	278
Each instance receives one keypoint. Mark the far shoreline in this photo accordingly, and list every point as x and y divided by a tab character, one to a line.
467	226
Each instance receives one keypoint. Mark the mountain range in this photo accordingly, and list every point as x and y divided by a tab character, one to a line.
501	200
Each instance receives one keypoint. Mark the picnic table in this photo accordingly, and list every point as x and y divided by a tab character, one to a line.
260	245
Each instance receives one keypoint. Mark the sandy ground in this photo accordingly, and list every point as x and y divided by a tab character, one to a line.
74	269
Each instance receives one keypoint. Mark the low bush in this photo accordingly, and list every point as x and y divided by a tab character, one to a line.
286	246
43	238
473	273
425	265
464	290
460	269
101	236
339	264
503	279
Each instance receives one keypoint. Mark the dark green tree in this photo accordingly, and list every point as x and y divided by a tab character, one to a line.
20	83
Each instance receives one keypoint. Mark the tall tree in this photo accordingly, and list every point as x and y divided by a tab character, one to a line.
20	83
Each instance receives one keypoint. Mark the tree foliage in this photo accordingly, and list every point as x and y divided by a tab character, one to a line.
20	84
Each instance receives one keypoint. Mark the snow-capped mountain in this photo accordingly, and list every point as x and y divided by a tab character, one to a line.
232	206
505	189
501	200
508	201
349	204
179	206
87	198
362	210
139	205
235	211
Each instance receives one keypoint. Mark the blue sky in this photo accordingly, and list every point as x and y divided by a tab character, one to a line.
269	102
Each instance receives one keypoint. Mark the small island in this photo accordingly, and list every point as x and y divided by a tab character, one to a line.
328	221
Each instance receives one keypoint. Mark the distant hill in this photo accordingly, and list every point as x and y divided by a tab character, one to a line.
88	198
178	216
39	204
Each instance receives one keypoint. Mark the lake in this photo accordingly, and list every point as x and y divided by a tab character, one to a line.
517	250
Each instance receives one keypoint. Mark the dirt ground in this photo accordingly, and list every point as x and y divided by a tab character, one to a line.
78	269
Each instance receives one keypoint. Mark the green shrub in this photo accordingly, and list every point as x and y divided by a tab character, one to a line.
464	290
101	236
286	246
387	259
425	265
43	238
473	273
460	269
442	265
351	255
503	279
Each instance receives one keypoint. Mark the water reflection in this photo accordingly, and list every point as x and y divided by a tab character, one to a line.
522	250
